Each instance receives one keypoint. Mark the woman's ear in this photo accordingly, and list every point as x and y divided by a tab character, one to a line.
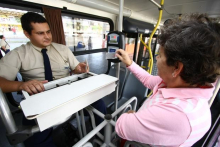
178	69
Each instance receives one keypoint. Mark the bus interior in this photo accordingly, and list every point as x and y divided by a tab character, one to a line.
86	24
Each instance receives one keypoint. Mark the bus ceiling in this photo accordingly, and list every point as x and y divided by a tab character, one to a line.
113	8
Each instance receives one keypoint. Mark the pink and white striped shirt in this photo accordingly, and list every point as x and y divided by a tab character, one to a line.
171	117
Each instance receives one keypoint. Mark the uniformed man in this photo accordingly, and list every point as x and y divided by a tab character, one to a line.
29	61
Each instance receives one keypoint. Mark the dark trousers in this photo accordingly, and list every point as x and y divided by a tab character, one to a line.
1	54
44	139
39	139
7	50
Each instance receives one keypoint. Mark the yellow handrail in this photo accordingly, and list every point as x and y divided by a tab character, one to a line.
151	61
152	34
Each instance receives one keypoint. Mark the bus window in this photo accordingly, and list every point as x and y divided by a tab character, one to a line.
10	27
84	34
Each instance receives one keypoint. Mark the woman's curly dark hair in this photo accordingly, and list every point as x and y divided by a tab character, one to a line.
195	41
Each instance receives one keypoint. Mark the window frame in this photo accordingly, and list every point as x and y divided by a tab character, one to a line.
76	14
29	6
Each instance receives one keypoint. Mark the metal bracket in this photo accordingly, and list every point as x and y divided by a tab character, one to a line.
155	3
20	135
161	8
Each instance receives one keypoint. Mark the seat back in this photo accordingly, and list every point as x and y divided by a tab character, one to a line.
215	92
218	96
15	98
136	144
122	77
109	99
133	87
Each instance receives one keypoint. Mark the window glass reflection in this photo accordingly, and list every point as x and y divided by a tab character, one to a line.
84	34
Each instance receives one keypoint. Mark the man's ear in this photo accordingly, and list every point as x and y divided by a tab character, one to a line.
26	34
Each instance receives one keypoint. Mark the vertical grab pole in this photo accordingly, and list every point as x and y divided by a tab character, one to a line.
120	15
6	116
118	64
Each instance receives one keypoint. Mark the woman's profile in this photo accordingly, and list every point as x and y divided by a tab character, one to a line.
177	113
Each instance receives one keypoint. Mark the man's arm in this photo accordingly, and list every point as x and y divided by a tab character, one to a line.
75	65
9	67
9	86
4	48
32	86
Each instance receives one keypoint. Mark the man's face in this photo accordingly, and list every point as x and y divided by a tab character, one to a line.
40	35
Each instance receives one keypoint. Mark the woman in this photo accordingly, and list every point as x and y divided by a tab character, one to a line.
177	113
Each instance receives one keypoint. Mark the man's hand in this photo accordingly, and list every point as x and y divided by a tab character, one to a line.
33	86
81	68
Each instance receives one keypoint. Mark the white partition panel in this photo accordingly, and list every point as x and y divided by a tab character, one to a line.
55	105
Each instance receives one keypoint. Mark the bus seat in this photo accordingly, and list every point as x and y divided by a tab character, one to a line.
11	99
88	144
110	99
19	77
218	96
14	98
215	92
122	77
136	144
132	87
214	104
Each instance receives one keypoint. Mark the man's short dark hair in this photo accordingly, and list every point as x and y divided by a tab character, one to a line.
1	36
31	17
194	41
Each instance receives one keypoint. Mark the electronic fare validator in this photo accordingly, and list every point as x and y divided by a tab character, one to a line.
115	41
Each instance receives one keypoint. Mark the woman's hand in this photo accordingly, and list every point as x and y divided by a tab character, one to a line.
131	111
123	56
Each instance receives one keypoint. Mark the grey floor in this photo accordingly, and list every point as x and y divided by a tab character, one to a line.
97	64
